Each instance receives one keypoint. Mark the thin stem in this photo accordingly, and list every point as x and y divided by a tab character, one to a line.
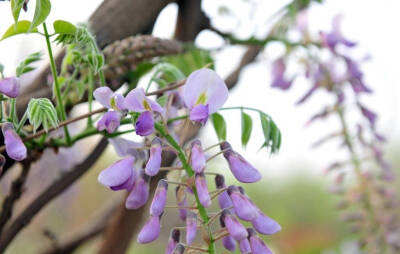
245	108
211	147
167	88
218	193
56	83
177	183
90	97
171	120
219	153
190	173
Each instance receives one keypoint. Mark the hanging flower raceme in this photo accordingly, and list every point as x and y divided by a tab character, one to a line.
204	93
137	101
241	169
15	148
278	75
10	87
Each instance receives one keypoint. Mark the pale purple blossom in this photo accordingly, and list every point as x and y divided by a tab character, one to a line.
120	175
160	199
10	87
191	227
150	231
137	101
229	243
139	193
202	190
278	75
110	121
335	37
257	244
154	163
244	246
145	124
265	225
15	148
234	227
197	158
244	208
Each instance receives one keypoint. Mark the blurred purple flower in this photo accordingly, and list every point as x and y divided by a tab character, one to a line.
244	208
265	225
110	121
204	93
120	175
335	37
173	240
145	124
234	227
244	246
371	116
15	148
229	243
202	190
278	75
160	199
191	227
355	77
223	199
106	97
139	193
197	157
10	87
257	244
154	163
150	231
241	169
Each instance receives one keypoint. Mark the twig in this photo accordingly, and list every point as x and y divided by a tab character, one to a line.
51	192
15	193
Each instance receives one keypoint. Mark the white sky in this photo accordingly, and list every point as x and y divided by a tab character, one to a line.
373	24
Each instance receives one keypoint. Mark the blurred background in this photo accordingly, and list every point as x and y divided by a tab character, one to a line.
294	190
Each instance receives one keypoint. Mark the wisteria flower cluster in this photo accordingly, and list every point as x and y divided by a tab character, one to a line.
329	67
202	94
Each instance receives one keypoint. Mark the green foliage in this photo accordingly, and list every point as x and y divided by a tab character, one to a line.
191	60
219	126
64	27
25	66
21	27
42	112
166	73
16	6
162	100
42	10
247	126
272	135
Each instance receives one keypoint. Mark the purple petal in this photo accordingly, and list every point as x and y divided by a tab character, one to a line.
150	231
110	121
119	102
224	200
154	163
103	95
202	190
257	244
139	193
234	227
204	86
118	173
265	225
244	209
244	246
134	100
371	116
173	241
197	159
191	227
10	87
229	243
307	95
145	124
15	148
124	147
241	169
199	114
160	199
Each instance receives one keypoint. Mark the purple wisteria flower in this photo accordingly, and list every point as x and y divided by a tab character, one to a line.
173	241
234	227
139	193
244	246
257	244
224	200
120	175
241	169
10	87
150	231
154	163
278	75
202	190
145	124
197	158
355	77
137	101
204	93
15	148
160	199
106	97
244	208
265	225
191	227
369	115
229	243
335	37
110	121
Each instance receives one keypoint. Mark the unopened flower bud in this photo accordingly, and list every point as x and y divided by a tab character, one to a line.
197	158
202	190
15	148
191	227
160	199
154	163
150	231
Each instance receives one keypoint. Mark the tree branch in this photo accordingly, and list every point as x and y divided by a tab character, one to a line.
49	194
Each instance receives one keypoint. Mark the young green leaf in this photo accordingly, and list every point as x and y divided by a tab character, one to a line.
162	100
266	128
42	112
275	137
64	27
42	10
21	27
25	67
219	125
16	6
247	126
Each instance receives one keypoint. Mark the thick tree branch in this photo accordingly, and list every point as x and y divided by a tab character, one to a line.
49	194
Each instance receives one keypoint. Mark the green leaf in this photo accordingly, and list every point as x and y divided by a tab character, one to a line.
219	125
64	27
247	126
266	127
24	66
42	112
21	27
275	136
16	6
162	100
42	10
